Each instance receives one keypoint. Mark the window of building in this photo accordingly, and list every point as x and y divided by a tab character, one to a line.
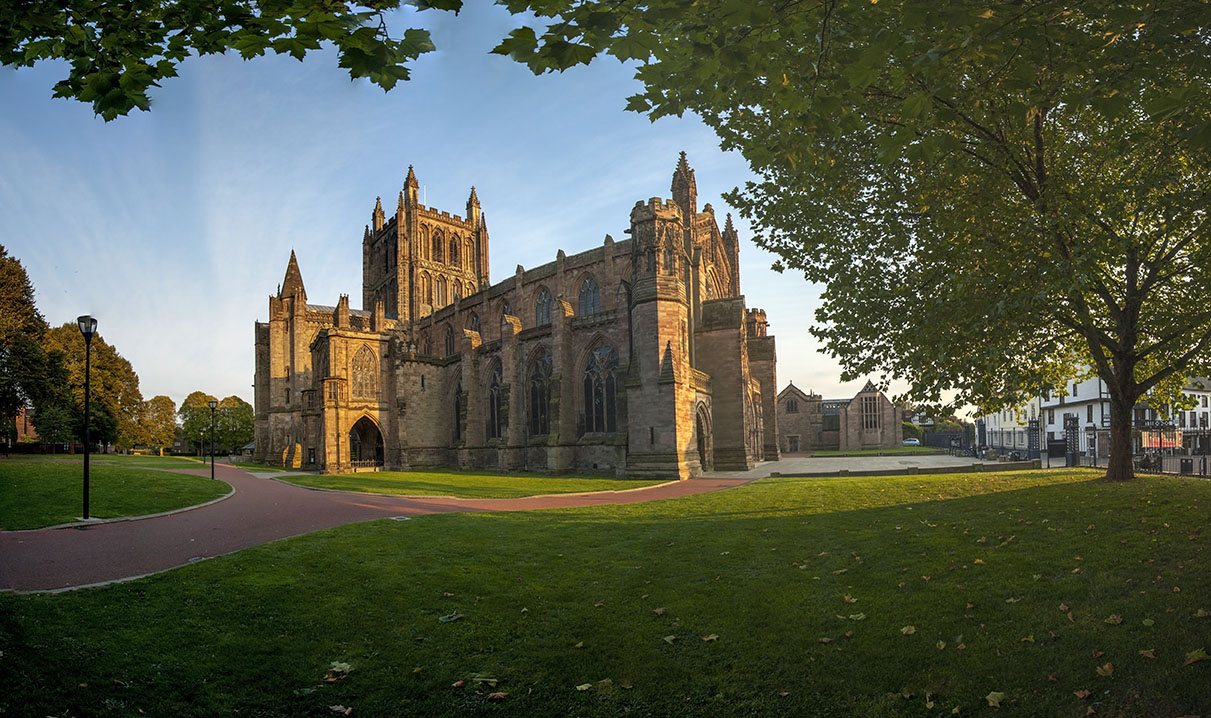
599	386
792	406
542	309
426	344
365	374
590	298
1051	416
870	412
1181	419
441	292
449	340
1089	413
792	444
1204	402
495	418
830	417
474	322
437	247
310	456
454	251
457	290
333	392
287	396
1074	389
670	262
540	378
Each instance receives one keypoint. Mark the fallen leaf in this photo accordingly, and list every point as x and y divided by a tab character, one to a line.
784	693
711	637
458	684
941	645
824	639
955	711
1114	619
1096	653
849	634
599	604
1063	607
1090	711
1148	622
978	562
1028	639
1070	618
1012	599
994	699
341	710
486	680
1148	653
849	599
451	617
1202	613
1105	670
447	594
840	571
1082	694
658	611
857	616
579	645
498	696
584	686
925	578
1195	656
669	639
908	630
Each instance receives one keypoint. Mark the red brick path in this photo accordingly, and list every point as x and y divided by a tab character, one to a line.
260	510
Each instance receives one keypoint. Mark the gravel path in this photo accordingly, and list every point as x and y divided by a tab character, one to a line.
259	511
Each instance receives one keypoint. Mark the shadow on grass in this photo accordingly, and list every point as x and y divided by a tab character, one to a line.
747	583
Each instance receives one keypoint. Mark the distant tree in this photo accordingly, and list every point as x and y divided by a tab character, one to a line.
25	369
115	386
911	430
235	423
55	425
158	422
195	421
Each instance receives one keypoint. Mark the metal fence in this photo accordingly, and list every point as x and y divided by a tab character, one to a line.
1162	447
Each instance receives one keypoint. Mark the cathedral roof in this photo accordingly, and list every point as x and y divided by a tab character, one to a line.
293	283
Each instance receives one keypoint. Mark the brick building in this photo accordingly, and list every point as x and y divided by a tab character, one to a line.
808	422
637	357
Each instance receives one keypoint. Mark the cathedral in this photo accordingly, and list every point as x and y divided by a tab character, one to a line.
636	358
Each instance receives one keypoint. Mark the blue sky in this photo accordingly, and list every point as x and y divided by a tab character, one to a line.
173	227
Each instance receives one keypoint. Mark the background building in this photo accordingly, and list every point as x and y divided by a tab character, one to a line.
808	422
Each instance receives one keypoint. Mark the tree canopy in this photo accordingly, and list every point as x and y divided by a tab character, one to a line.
234	423
158	422
28	376
195	420
117	51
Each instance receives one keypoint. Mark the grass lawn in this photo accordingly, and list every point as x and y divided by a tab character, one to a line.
463	484
36	493
884	452
893	596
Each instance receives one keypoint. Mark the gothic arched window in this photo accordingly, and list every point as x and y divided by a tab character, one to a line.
441	293
454	251
474	322
365	374
449	340
540	394
599	390
505	308
426	289
495	391
590	298
670	262
438	240
542	310
426	345
457	289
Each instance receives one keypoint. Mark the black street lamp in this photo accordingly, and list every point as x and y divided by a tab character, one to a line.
212	404
88	327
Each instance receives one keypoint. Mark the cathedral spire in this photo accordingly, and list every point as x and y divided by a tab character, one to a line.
293	283
729	231
473	210
411	189
378	213
685	190
411	180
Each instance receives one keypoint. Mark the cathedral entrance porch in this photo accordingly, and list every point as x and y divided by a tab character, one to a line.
365	446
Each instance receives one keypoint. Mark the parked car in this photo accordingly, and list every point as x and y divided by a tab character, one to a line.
912	442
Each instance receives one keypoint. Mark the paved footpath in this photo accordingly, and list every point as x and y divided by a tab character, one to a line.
260	510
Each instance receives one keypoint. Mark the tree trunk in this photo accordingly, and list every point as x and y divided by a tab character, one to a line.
1120	467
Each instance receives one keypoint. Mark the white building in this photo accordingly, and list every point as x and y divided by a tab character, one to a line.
1088	401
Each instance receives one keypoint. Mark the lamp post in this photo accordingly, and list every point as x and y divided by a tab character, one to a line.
88	327
212	403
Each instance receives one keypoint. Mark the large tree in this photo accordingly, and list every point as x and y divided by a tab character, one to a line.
116	402
996	195
27	375
196	420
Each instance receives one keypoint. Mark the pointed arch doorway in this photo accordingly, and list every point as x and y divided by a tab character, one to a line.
702	428
365	445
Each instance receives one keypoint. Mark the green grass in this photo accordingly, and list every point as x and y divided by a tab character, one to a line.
553	600
885	452
37	493
462	484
